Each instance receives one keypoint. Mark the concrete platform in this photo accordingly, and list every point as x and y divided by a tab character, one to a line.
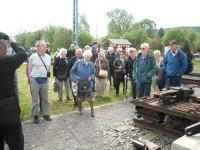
187	143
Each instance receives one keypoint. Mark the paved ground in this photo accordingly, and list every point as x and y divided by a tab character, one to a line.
74	132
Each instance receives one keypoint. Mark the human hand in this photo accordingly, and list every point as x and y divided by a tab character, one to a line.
125	76
12	39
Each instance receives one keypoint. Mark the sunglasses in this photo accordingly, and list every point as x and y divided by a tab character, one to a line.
142	48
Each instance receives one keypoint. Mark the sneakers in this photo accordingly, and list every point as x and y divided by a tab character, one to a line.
47	118
35	120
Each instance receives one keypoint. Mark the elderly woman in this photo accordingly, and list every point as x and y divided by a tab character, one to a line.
83	73
102	69
61	71
39	66
159	78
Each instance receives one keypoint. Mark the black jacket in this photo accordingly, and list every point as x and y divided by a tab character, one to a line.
8	66
129	62
61	67
111	58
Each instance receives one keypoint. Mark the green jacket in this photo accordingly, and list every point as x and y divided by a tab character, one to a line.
144	68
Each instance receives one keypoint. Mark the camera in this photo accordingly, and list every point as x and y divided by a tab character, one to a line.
48	74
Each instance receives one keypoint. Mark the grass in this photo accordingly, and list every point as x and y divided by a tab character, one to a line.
56	106
196	66
65	106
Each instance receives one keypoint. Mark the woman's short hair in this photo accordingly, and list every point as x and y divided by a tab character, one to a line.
63	51
87	53
157	51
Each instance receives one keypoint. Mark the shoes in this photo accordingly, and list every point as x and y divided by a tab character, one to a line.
60	99
47	118
92	114
68	98
35	120
80	111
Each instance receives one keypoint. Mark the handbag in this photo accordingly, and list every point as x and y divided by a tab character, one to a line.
84	84
102	73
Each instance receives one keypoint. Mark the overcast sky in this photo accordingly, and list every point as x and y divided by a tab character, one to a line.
30	15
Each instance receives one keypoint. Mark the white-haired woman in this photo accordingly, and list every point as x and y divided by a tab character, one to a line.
61	70
159	78
83	73
102	69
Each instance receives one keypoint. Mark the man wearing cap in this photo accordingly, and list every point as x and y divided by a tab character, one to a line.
175	64
10	124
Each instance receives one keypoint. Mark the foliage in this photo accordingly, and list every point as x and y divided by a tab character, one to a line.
156	43
148	26
175	34
161	32
136	37
84	39
119	21
61	38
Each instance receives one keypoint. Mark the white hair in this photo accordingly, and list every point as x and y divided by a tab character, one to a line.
87	53
157	51
63	51
144	45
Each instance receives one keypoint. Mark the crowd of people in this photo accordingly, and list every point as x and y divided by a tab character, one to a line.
82	71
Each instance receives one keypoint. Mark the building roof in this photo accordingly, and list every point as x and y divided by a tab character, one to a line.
120	41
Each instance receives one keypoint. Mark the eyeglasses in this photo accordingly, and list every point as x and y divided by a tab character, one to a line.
121	54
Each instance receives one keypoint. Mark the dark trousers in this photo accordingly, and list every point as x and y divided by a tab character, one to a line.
13	136
133	88
110	79
10	125
117	84
144	89
174	80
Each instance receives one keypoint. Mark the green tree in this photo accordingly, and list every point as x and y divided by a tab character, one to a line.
119	21
85	38
161	32
148	26
175	34
136	37
61	38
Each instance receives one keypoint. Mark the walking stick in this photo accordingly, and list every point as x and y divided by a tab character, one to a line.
125	88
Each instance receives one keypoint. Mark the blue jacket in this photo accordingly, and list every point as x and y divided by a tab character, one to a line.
83	71
175	65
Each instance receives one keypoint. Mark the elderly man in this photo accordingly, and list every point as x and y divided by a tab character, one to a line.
39	65
175	64
145	68
10	125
